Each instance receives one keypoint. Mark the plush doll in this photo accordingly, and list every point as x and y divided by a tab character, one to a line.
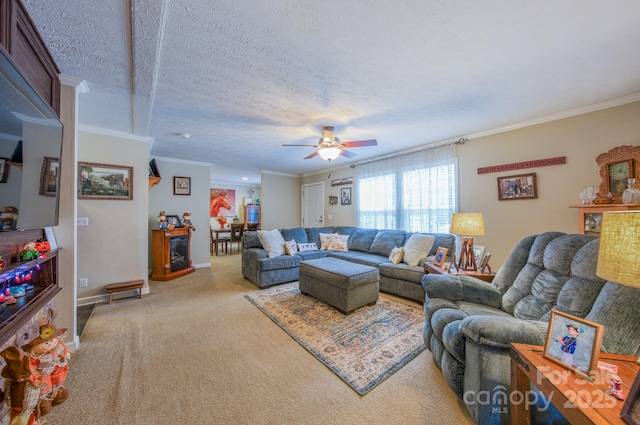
49	356
162	221
22	389
186	218
29	252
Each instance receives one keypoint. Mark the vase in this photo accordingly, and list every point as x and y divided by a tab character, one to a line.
631	194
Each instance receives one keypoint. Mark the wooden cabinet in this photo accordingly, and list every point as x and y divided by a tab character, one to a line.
21	40
590	216
252	214
171	253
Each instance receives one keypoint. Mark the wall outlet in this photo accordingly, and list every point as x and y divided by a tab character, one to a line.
82	221
84	282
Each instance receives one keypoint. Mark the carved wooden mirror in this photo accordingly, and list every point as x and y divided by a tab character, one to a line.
616	166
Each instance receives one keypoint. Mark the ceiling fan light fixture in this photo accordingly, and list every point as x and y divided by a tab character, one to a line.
329	153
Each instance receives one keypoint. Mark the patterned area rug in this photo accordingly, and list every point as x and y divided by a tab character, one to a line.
363	348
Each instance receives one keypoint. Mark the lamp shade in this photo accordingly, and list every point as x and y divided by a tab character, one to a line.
329	153
467	224
619	251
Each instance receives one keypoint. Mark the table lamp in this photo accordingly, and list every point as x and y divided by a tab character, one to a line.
467	225
619	251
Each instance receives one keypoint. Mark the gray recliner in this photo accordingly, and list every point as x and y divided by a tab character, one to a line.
469	323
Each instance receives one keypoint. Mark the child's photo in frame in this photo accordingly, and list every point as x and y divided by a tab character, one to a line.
573	343
441	255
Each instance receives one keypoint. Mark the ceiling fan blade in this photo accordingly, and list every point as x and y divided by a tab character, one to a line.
312	155
370	142
347	153
315	146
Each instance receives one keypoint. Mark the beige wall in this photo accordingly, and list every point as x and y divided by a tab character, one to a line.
161	198
113	248
281	201
580	139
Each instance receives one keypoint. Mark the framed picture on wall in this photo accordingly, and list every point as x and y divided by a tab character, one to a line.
181	185
522	186
345	196
104	181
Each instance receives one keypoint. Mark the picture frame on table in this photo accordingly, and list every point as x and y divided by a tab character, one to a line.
441	256
175	220
105	181
181	185
484	264
573	343
49	176
478	252
521	186
631	408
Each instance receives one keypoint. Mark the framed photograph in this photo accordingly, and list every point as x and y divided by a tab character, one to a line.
104	181
441	256
174	219
181	185
49	176
345	196
631	408
573	343
4	169
478	252
522	186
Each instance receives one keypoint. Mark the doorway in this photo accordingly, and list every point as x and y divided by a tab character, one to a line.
313	205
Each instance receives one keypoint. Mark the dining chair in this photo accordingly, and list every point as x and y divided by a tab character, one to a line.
236	235
253	226
222	242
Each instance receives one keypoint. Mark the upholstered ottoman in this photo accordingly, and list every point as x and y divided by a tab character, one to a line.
341	284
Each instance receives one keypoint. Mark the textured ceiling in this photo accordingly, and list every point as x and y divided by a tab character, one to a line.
244	77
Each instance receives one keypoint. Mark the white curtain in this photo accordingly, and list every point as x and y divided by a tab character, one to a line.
416	192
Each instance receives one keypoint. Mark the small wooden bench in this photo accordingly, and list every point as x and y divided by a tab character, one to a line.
125	286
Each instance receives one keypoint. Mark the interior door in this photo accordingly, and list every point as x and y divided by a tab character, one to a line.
313	205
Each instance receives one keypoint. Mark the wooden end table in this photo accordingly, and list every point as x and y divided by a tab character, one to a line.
579	400
433	269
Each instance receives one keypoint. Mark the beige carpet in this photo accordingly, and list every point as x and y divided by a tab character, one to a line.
195	351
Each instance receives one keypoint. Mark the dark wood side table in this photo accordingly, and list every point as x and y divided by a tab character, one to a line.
580	401
433	269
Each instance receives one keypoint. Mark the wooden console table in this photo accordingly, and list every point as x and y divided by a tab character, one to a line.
578	400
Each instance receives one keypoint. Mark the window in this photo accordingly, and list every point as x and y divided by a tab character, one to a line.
415	192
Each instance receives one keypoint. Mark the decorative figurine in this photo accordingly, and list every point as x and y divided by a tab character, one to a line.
29	252
186	221
162	221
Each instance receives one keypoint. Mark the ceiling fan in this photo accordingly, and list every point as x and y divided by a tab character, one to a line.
330	147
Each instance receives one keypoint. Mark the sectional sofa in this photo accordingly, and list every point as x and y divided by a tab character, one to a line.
371	247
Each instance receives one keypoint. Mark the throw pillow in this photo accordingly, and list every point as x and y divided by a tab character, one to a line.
272	241
326	240
417	247
307	247
291	247
338	242
396	254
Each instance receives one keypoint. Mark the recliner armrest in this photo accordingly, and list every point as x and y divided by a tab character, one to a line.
461	288
500	331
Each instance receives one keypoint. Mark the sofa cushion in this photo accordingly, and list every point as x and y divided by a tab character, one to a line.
302	247
297	233
396	255
417	248
272	241
250	240
386	240
402	271
312	254
313	233
362	239
345	230
281	262
290	247
325	239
